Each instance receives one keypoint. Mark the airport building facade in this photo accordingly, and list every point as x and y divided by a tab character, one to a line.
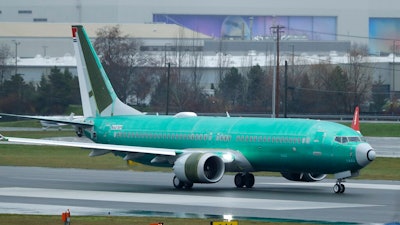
245	31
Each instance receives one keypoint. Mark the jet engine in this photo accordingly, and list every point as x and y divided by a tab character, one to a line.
199	168
303	177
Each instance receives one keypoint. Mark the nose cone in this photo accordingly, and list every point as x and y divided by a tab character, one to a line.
364	154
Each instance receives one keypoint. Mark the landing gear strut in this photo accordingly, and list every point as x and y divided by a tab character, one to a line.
339	188
244	179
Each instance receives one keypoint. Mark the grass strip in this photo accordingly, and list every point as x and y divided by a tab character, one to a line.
124	220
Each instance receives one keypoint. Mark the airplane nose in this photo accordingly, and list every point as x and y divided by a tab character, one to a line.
365	154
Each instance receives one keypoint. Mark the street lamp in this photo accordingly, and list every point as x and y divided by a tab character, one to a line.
276	30
16	55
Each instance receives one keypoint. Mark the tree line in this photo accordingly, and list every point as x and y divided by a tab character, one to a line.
145	81
51	96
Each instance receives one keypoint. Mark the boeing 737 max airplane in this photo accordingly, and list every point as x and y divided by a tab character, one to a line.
201	149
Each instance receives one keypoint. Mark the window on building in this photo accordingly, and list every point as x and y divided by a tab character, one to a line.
39	19
24	11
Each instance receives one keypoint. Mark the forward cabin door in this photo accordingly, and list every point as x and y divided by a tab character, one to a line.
320	153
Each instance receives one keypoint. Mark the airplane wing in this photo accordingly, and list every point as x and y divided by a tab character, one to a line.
75	122
96	146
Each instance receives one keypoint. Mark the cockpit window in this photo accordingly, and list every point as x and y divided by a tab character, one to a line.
354	139
349	139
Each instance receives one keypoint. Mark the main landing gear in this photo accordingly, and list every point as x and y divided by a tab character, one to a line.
339	188
244	179
180	184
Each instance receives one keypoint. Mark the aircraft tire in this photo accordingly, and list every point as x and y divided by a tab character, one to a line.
339	188
79	132
177	183
239	180
336	188
188	185
342	188
249	180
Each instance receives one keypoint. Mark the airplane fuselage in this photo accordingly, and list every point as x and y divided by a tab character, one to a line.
282	145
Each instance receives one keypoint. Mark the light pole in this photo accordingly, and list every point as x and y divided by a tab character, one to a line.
276	30
16	55
168	73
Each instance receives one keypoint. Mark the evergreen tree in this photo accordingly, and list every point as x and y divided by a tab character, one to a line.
57	91
17	96
232	90
257	91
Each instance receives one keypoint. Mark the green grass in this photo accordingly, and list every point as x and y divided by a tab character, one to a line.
21	123
120	220
379	129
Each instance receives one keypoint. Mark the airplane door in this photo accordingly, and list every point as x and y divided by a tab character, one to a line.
320	152
319	137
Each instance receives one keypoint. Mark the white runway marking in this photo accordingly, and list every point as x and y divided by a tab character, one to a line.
171	199
348	185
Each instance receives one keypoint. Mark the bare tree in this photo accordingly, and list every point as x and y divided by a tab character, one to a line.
223	60
359	76
185	91
5	54
121	57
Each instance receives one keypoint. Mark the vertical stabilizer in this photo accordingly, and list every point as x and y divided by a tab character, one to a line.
97	95
356	120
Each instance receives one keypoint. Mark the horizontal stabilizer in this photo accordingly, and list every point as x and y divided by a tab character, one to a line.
74	122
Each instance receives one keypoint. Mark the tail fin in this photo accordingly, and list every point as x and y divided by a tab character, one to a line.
356	120
97	95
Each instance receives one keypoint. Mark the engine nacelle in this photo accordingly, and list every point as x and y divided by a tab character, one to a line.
303	177
199	168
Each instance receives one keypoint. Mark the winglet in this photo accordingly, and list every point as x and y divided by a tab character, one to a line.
356	120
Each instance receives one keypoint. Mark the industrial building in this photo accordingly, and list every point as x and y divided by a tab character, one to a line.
38	31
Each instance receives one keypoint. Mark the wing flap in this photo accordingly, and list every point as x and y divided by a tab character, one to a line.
97	146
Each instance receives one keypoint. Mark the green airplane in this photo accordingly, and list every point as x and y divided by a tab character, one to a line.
201	149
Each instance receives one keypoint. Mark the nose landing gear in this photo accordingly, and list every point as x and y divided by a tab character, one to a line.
339	188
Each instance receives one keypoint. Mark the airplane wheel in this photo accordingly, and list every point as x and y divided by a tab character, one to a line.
239	180
177	183
336	188
188	185
342	188
249	180
79	132
339	188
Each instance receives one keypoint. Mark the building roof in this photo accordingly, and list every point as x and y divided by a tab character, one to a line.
63	30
